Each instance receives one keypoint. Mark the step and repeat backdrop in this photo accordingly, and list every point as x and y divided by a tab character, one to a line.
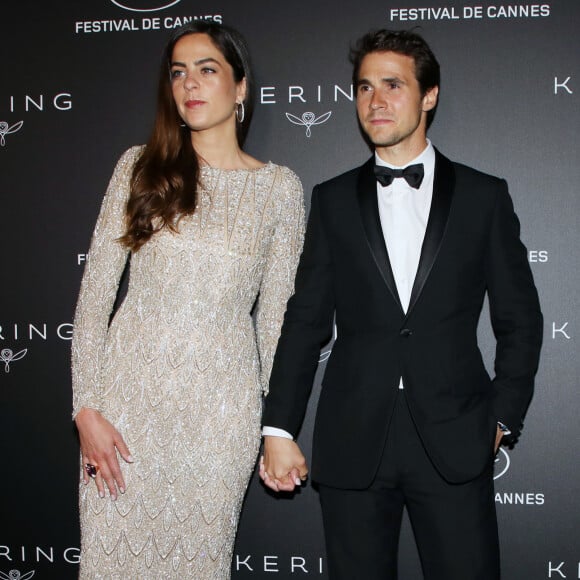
77	88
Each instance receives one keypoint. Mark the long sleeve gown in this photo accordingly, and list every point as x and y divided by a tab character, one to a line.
181	368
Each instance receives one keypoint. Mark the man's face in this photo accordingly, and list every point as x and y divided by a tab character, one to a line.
389	104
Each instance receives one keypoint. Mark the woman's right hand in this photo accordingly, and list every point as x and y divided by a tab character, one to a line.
100	442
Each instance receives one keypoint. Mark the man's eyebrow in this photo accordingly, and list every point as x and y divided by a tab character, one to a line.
393	80
386	80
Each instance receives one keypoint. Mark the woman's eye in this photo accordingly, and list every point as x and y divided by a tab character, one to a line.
177	73
207	70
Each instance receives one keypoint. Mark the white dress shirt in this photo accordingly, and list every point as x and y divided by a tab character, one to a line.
404	212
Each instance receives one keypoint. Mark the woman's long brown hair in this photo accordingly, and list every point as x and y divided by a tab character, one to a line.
165	178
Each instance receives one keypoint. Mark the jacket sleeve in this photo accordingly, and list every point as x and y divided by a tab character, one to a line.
307	326
515	315
105	264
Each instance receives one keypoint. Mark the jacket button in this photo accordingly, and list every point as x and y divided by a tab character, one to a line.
406	332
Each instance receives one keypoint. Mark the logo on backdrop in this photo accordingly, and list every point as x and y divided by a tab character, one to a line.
144	6
38	331
515	498
306	95
8	356
562	84
253	563
29	332
38	554
16	575
558	569
501	463
469	13
145	18
30	103
308	119
6	129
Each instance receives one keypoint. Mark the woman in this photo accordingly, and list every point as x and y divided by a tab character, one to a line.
173	386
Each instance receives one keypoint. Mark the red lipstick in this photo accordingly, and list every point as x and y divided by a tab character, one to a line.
194	103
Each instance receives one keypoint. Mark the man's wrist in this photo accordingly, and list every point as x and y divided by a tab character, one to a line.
275	432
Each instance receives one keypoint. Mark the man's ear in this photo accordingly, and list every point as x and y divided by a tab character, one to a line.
429	101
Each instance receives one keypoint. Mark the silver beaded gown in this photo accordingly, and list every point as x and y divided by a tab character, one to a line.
181	369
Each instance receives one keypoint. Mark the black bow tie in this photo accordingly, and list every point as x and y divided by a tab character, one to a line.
413	174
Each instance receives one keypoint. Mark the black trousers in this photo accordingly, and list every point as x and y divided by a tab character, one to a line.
455	525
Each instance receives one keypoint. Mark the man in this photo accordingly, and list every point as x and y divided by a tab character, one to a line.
402	252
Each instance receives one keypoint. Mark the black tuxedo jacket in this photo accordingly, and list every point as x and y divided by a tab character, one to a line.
471	247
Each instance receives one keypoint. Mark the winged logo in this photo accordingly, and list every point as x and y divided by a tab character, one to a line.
7	356
308	119
6	129
16	575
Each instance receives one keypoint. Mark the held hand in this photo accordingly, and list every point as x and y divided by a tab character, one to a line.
100	442
498	437
282	467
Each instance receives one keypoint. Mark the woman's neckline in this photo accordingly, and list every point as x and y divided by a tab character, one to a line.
211	168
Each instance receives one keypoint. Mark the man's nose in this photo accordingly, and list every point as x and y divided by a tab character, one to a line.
378	101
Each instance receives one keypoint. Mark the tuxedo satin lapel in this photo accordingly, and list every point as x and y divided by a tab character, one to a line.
443	187
369	209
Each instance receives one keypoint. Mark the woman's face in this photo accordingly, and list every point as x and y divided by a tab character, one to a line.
203	84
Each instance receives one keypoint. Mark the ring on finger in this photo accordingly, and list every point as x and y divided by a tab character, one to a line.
91	470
